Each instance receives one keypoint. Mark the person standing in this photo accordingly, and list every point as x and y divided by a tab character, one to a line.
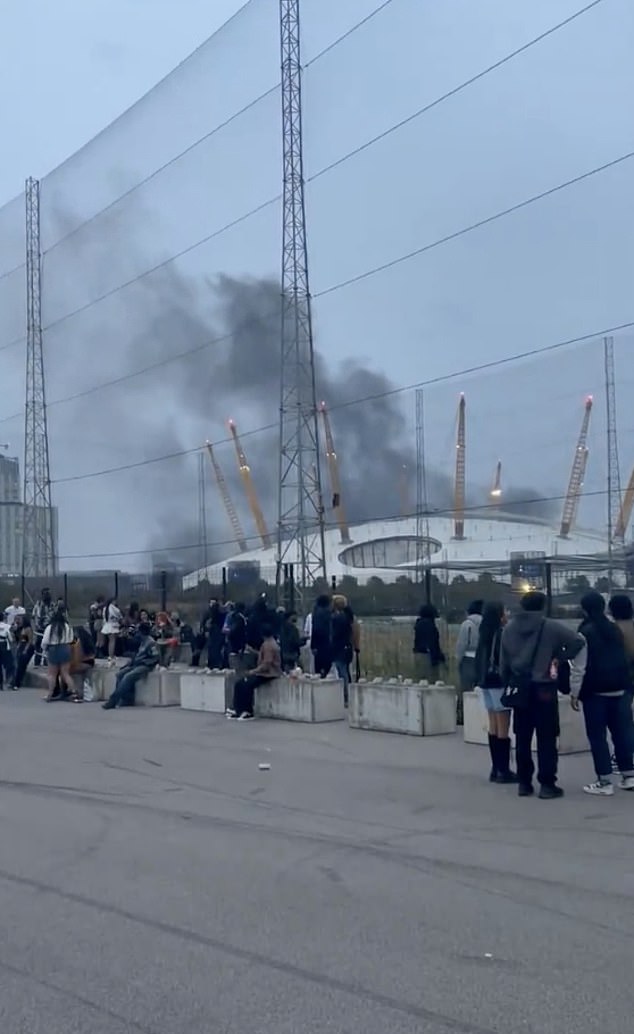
56	641
23	635
467	646
15	610
269	666
532	647
213	623
342	641
428	655
6	654
290	641
321	636
623	616
489	679
605	697
111	628
42	613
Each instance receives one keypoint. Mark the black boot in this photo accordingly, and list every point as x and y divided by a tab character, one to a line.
493	748
505	775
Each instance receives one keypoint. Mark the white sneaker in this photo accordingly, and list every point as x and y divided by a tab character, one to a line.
627	783
601	789
230	713
245	717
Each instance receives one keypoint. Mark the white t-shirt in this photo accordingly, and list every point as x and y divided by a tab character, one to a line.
54	638
112	619
5	635
11	613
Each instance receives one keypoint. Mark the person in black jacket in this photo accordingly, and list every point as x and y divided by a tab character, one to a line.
290	641
428	655
342	641
237	634
212	627
604	696
320	637
489	679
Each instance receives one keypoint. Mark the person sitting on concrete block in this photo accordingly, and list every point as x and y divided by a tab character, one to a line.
269	666
144	661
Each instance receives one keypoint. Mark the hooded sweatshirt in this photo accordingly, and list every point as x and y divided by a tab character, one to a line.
467	641
557	643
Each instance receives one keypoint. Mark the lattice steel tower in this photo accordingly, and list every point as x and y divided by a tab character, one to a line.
38	539
300	510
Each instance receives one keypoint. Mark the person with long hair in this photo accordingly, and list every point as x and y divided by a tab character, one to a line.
428	655
605	697
111	628
56	643
489	680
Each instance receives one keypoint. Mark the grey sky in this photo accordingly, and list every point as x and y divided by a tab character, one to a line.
558	269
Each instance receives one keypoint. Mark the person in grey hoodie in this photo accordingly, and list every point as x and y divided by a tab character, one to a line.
535	645
467	646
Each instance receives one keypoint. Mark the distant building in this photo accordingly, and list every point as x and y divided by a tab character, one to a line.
11	518
9	479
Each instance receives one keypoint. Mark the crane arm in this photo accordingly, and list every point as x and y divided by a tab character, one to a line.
335	479
227	500
626	511
580	460
459	489
249	488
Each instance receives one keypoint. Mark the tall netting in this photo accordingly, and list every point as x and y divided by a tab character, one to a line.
467	176
12	323
161	245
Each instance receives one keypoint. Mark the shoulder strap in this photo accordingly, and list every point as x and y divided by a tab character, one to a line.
536	647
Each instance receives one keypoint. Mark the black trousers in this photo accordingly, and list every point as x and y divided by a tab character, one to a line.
541	718
614	713
244	692
6	666
323	660
25	652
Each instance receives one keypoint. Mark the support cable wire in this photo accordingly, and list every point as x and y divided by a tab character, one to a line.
454	91
443	512
273	200
493	364
206	136
340	285
475	226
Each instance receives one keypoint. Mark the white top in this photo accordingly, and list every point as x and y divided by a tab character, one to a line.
112	618
55	638
5	632
11	613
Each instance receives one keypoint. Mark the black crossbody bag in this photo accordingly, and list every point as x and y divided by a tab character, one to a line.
517	694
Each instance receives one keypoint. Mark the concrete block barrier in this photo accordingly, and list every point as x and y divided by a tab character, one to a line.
200	692
572	737
301	699
104	681
415	709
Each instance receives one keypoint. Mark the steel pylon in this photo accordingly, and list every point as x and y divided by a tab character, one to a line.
38	533
300	509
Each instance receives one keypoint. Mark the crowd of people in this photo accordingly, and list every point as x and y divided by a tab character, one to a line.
258	642
521	664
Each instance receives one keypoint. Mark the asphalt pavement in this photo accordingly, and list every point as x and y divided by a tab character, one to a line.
154	879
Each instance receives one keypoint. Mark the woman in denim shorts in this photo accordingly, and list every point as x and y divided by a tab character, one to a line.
490	682
56	641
